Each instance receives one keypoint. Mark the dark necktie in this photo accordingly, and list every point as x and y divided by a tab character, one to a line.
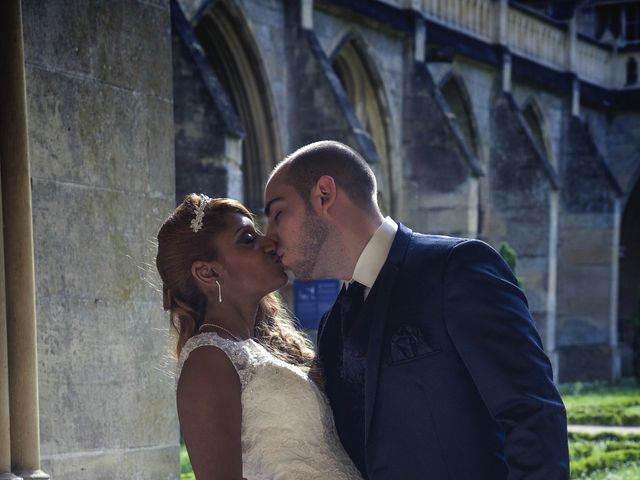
350	303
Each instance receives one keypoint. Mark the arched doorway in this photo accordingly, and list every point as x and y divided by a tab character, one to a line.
363	87
233	54
629	275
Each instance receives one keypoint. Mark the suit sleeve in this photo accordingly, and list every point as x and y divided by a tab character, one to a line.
488	320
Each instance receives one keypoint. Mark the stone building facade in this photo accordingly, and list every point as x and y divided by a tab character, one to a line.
513	122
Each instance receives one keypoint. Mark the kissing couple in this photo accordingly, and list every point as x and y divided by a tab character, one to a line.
428	365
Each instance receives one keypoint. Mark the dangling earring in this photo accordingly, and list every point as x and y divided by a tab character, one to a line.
219	292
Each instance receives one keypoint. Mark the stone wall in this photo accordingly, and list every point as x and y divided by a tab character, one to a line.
588	255
201	165
98	79
440	171
521	186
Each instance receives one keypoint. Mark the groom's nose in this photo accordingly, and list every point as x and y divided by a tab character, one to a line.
268	245
271	231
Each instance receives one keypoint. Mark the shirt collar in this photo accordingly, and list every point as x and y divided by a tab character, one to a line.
375	253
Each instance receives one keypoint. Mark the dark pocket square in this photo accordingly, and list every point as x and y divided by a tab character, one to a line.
407	343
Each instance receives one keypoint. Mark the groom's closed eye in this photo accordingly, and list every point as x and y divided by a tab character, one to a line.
267	209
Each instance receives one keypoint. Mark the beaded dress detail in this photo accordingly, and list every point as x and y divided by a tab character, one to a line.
287	425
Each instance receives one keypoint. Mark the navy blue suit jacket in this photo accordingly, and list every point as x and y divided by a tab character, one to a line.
457	383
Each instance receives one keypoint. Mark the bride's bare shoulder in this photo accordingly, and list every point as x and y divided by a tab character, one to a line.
207	366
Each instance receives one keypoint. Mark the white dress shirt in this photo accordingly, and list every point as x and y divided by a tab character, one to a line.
374	255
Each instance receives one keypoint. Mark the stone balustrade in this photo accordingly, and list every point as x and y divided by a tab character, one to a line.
598	65
530	37
475	17
528	34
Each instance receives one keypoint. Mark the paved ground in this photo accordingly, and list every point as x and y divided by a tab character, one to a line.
601	428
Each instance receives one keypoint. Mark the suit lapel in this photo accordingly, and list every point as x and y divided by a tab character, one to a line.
386	278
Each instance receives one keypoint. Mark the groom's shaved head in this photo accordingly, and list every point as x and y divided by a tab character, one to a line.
350	171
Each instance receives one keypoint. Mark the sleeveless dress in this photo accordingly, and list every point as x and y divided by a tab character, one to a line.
287	425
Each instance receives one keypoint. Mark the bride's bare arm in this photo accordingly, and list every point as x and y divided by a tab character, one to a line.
210	414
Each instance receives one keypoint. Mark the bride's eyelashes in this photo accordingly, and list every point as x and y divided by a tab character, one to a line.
246	235
247	238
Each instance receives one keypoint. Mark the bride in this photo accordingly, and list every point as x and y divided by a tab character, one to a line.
250	402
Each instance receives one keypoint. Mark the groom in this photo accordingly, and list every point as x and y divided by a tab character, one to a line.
433	365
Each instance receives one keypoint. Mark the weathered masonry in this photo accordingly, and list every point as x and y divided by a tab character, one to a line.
513	122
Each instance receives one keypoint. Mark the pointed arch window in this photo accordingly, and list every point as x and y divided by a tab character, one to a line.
363	87
457	98
234	57
536	123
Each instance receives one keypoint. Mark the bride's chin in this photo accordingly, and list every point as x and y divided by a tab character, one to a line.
278	283
284	280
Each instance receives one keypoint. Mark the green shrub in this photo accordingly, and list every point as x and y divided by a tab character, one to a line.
603	461
511	257
602	404
602	455
580	450
625	413
509	254
604	437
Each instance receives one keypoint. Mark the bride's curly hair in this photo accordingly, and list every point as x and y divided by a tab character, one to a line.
179	247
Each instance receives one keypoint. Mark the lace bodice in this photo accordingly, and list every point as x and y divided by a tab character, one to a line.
287	426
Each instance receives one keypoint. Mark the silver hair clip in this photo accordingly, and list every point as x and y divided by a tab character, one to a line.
196	223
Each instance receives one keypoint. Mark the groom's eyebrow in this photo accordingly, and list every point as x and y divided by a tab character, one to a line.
267	209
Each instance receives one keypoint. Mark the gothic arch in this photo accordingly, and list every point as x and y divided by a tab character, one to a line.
456	94
537	123
363	85
234	55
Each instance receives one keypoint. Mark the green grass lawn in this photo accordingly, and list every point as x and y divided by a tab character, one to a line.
593	457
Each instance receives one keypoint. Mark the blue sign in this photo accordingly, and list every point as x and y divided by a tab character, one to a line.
312	299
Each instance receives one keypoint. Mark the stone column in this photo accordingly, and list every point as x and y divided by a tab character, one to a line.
575	97
506	70
616	363
419	39
5	424
18	251
502	37
572	37
552	282
570	60
306	14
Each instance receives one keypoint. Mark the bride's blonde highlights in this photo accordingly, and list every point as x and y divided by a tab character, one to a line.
179	246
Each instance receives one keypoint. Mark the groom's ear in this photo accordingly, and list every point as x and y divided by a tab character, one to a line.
323	195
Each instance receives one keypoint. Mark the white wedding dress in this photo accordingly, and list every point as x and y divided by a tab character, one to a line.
287	426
